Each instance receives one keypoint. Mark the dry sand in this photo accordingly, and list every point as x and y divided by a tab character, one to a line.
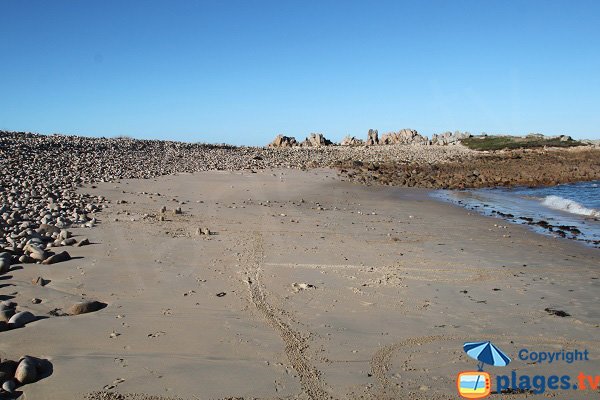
331	290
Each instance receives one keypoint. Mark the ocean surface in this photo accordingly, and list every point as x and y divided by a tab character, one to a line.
569	211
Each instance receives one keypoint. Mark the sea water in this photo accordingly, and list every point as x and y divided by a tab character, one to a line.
570	210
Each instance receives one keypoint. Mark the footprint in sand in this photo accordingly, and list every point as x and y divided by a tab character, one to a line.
156	334
114	384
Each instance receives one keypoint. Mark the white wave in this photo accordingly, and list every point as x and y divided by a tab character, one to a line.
573	207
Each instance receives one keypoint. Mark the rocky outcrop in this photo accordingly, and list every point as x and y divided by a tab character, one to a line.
448	138
511	168
316	140
351	141
283	141
404	136
372	137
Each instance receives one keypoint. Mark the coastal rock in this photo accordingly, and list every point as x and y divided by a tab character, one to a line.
68	242
283	141
203	231
7	369
316	140
47	229
36	252
6	314
372	137
351	141
449	138
39	281
60	257
8	305
83	242
404	136
8	386
27	370
5	264
21	319
25	259
85	307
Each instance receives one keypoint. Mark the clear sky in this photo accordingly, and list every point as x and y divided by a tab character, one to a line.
243	71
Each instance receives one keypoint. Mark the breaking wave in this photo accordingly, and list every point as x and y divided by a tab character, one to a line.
571	206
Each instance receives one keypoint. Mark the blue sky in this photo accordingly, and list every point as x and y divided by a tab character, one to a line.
243	71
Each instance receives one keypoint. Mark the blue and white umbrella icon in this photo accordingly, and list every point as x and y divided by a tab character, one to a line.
486	353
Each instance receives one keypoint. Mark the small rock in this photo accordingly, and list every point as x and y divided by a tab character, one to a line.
47	229
68	242
302	286
8	305
83	242
26	371
60	257
25	259
86	307
36	252
35	300
4	265
558	313
203	231
7	369
39	281
9	386
5	315
21	319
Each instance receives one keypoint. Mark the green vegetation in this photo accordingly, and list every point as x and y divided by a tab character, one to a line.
515	142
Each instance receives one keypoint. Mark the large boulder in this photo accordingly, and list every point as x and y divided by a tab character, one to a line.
449	138
316	140
351	141
283	141
404	136
372	137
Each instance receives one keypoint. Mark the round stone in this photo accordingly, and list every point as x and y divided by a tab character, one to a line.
21	319
85	307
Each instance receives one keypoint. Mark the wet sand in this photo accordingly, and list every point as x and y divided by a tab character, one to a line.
308	288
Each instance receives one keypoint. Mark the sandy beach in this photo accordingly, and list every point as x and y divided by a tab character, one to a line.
306	287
